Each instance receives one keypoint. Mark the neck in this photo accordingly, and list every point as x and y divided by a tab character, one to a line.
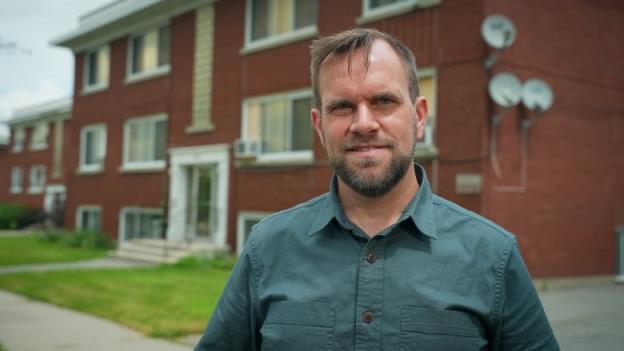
373	214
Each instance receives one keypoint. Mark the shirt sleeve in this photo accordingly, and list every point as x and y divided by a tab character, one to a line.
523	322
233	323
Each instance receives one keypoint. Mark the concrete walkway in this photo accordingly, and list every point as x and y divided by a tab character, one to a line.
26	325
106	262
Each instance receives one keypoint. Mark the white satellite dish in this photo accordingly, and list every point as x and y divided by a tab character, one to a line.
498	31
537	95
505	89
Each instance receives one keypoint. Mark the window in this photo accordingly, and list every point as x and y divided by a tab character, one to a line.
426	147
16	180
149	53
96	69
39	136
92	148
145	142
18	139
281	125
246	220
89	218
271	21
141	223
373	10
37	179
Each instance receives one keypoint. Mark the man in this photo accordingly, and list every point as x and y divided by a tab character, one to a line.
378	263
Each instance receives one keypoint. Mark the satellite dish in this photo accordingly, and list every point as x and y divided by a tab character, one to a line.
537	95
505	89
498	31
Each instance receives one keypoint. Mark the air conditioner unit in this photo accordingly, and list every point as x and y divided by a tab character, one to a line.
246	149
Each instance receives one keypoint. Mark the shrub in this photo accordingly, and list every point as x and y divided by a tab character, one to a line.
87	239
13	216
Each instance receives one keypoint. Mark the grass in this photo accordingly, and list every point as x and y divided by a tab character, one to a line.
15	250
167	301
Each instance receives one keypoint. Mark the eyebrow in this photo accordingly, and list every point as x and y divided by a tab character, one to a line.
338	102
387	95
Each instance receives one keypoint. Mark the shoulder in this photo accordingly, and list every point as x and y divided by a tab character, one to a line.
294	220
454	220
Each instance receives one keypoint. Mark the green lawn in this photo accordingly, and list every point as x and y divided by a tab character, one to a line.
30	249
167	301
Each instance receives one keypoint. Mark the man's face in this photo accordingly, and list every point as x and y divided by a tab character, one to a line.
367	122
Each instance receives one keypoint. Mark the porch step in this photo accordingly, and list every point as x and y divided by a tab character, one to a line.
162	251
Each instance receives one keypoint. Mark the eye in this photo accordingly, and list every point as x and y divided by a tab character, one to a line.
384	102
341	108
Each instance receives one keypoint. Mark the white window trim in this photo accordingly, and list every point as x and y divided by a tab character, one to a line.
148	74
38	188
82	208
240	226
302	156
275	40
84	168
19	147
94	88
140	165
137	210
429	150
16	189
391	10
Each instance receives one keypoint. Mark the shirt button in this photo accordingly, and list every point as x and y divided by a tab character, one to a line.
368	316
371	257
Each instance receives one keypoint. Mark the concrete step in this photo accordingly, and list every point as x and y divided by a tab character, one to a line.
162	251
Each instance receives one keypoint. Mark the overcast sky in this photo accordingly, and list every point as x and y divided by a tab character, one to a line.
33	71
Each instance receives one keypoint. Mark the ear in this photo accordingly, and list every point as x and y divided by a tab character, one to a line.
421	107
315	117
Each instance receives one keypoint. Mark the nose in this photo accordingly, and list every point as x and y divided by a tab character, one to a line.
363	122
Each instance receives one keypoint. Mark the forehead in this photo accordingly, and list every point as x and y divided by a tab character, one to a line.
385	67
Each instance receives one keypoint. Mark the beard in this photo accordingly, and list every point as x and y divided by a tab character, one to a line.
371	185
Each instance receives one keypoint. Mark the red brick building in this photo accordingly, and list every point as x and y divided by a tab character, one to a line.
194	117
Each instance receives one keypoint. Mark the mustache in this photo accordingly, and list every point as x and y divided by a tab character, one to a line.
358	140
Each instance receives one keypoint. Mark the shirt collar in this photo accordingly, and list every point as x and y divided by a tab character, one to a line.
420	210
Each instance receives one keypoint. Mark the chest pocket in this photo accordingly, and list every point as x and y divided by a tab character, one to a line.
293	325
440	330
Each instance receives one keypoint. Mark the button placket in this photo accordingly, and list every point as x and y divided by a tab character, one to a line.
370	295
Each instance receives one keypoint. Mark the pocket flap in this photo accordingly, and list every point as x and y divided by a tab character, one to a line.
320	314
439	321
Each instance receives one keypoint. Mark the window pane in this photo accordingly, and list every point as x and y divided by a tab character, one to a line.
379	3
129	225
254	119
274	127
89	151
150	50
259	19
281	21
160	144
137	54
427	90
163	46
92	68
102	66
134	142
305	13
301	127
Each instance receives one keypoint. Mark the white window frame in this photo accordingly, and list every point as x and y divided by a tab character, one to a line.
142	165
34	188
17	179
19	137
426	148
97	86
137	211
97	128
39	128
158	71
390	10
240	226
278	157
275	40
87	208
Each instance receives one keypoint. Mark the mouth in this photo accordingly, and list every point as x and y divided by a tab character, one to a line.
365	150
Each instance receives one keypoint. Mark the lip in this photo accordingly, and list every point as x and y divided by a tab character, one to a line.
366	150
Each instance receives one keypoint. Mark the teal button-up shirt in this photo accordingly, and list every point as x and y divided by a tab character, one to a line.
441	278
